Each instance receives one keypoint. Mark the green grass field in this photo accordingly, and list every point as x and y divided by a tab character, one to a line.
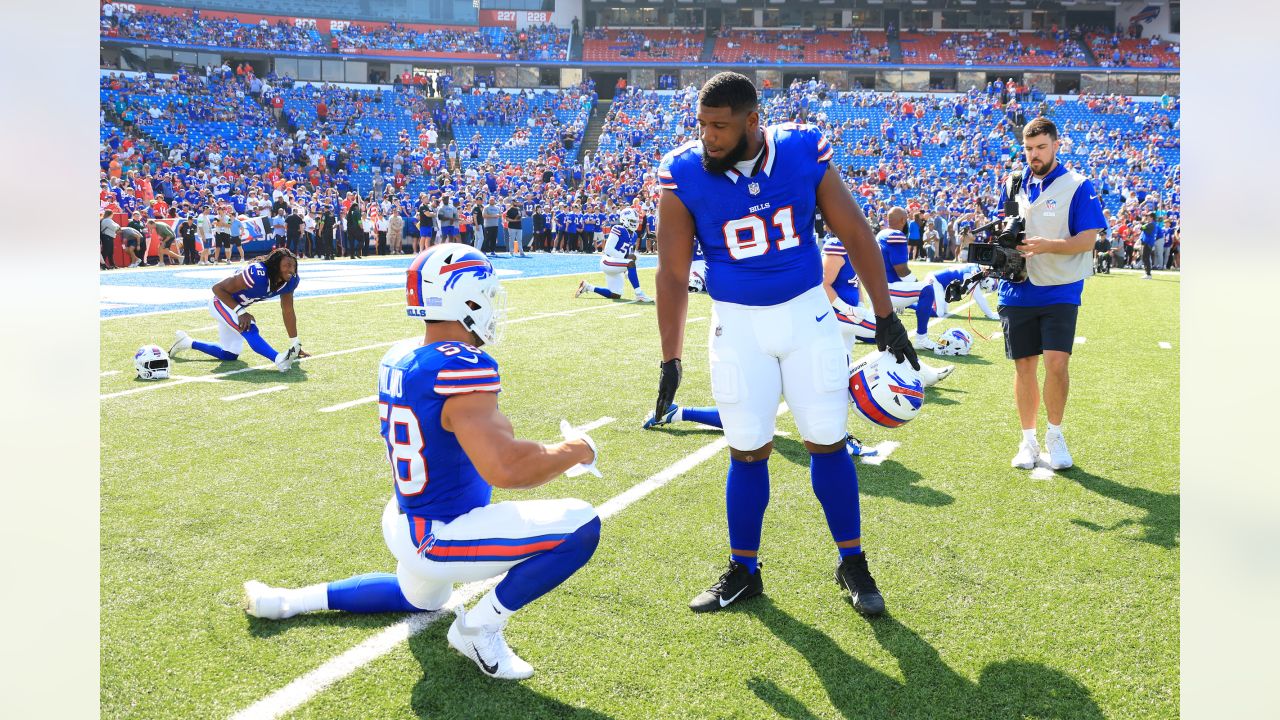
1009	597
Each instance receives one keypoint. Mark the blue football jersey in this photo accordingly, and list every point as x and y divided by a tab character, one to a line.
893	246
620	242
846	282
946	277
756	232
259	285
433	477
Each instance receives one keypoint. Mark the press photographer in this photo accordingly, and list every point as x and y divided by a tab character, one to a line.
1061	217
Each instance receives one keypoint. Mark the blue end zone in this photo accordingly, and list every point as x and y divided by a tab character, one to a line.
135	292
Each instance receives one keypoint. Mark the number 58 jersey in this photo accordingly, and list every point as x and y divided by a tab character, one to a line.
756	232
433	477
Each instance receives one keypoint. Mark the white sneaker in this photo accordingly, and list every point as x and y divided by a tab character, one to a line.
285	358
1059	455
582	287
135	263
1027	455
183	342
933	375
921	341
642	297
486	647
263	601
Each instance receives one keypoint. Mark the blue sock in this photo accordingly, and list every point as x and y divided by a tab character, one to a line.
835	482
542	573
633	276
259	345
214	350
369	593
746	497
706	416
924	309
602	292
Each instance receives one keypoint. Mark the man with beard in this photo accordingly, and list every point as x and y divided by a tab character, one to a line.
749	193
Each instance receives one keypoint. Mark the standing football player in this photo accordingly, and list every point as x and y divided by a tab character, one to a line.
749	194
619	257
449	445
904	289
275	275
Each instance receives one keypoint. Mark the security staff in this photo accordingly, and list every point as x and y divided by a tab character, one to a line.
1063	216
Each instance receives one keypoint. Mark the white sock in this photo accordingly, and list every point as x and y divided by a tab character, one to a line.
679	416
1055	429
588	287
488	611
1029	436
310	598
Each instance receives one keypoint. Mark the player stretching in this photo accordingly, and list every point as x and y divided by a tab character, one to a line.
449	445
275	275
749	193
933	301
619	257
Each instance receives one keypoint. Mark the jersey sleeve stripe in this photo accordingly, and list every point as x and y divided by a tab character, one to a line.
248	277
461	389
827	155
481	372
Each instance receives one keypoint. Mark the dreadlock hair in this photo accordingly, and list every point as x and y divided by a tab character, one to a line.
729	89
272	262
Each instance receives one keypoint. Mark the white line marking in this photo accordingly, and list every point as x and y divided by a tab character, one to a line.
251	393
883	450
997	334
1164	345
298	692
389	304
1081	340
630	315
563	313
108	373
348	404
203	329
595	424
697	319
339	302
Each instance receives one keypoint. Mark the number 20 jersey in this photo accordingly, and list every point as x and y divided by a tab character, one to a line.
433	477
756	232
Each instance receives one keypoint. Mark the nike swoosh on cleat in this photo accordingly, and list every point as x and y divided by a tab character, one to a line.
489	669
725	603
819	318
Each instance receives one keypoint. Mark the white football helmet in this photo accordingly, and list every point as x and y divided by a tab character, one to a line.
884	391
151	362
989	284
954	342
629	219
456	282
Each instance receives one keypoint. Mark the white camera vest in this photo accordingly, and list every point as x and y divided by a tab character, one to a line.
1049	217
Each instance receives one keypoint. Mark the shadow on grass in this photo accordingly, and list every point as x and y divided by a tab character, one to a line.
889	479
267	375
261	628
930	689
452	686
1161	523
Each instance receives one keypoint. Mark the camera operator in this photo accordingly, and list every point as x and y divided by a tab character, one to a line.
1038	315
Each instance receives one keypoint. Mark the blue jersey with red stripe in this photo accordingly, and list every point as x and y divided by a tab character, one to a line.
846	281
258	285
434	479
893	246
756	232
946	277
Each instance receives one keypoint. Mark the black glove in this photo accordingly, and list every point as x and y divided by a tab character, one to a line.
667	386
891	336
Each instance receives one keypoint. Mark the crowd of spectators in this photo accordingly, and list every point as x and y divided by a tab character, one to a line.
538	43
189	27
801	46
1117	50
1053	47
603	44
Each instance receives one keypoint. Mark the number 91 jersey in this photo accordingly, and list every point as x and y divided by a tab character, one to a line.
756	232
433	477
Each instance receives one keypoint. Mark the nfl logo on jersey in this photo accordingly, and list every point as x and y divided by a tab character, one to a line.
754	188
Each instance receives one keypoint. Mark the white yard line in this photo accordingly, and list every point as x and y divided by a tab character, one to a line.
108	373
1164	345
695	320
205	328
391	304
349	404
251	393
1081	340
298	692
595	424
883	450
563	313
630	315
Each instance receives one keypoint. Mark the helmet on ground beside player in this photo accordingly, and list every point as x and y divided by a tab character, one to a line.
629	219
884	391
456	282
954	342
151	362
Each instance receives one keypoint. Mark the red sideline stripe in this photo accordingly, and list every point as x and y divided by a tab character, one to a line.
504	550
863	400
460	265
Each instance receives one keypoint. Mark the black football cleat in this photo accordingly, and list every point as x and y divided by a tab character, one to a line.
852	575
736	584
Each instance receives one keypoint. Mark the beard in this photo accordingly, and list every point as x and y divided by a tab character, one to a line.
731	158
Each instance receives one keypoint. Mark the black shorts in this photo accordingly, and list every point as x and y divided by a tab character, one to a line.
1030	331
222	240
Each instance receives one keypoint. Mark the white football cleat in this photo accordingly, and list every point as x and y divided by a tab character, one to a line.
1059	455
285	358
264	601
486	647
642	297
183	342
1027	455
931	375
582	287
921	341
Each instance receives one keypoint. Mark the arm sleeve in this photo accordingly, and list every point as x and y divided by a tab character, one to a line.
666	179
1086	210
459	375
